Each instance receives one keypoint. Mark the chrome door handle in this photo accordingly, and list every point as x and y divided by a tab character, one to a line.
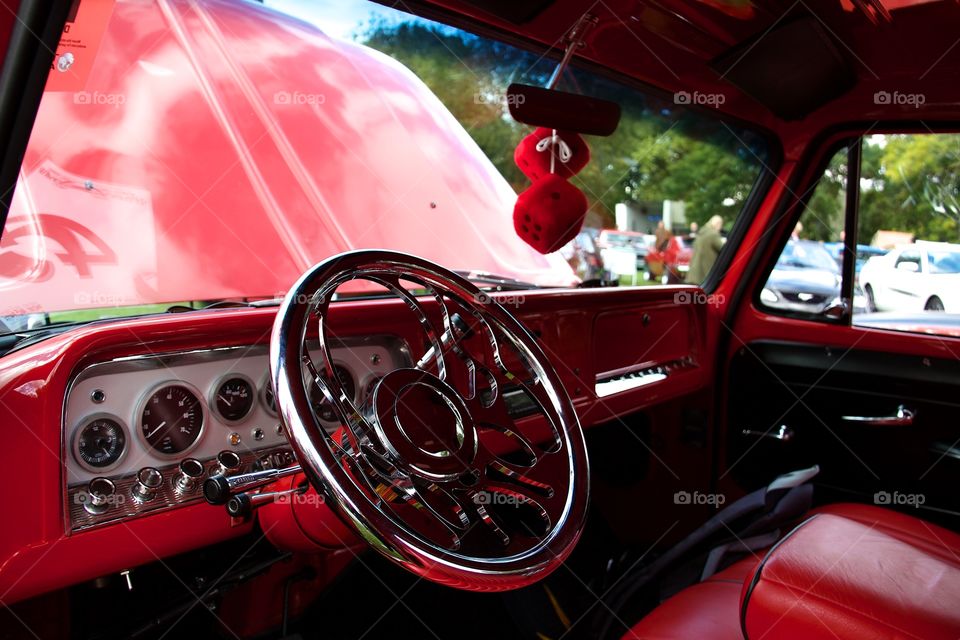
783	434
903	418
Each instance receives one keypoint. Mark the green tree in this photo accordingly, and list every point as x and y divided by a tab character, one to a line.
659	151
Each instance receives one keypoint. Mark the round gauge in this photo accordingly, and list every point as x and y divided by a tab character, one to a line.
324	409
171	419
267	397
100	442
233	398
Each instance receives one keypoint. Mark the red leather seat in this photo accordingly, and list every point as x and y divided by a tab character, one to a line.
857	572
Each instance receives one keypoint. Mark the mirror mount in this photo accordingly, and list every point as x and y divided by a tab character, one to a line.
559	110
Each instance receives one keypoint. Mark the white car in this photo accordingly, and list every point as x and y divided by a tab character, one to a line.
919	277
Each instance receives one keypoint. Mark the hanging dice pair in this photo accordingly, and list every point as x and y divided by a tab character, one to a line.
551	211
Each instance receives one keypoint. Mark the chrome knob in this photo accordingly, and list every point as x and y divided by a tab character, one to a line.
189	476
148	481
227	461
99	494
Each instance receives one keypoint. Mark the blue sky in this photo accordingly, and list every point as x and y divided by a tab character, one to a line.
338	18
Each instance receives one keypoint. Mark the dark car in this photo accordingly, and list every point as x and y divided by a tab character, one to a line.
805	279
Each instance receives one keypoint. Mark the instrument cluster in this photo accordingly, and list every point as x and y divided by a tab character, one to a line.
142	433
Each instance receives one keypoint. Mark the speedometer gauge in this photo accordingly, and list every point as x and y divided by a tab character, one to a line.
100	442
171	419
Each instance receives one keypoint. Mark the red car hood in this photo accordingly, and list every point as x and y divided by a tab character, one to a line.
218	150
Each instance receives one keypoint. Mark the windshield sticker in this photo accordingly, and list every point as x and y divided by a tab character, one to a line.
79	44
67	262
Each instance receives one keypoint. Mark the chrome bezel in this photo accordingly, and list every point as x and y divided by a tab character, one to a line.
262	392
215	387
142	403
75	441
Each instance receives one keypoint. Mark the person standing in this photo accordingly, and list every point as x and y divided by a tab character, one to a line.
706	248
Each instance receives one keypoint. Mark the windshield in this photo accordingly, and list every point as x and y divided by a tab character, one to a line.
944	261
806	255
215	150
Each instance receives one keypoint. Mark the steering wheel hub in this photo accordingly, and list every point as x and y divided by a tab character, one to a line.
424	424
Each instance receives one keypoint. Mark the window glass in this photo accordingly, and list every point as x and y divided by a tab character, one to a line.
908	241
910	208
806	277
173	174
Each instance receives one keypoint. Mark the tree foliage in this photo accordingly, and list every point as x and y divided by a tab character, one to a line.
659	151
908	183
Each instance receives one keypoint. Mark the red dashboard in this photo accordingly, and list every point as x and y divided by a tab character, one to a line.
616	350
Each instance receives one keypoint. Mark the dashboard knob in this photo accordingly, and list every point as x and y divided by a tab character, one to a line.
228	461
100	492
149	480
189	476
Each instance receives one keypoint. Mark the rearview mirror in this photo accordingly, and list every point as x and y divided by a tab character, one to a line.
563	111
911	267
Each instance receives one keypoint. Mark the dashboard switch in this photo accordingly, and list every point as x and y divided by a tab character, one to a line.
228	461
188	477
100	493
148	481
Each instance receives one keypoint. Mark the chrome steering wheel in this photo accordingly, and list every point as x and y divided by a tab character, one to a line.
434	468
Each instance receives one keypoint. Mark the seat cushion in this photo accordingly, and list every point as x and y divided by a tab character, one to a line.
706	611
710	610
835	576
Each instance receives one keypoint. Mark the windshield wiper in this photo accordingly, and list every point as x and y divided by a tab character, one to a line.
494	281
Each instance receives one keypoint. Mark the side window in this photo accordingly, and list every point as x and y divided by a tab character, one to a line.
908	261
905	249
806	278
909	216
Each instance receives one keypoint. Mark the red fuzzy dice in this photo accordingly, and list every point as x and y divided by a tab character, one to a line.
549	214
536	164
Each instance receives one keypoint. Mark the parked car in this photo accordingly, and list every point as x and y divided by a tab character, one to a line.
805	279
864	253
924	276
639	243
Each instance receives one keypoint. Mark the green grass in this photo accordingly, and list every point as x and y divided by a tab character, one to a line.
86	315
